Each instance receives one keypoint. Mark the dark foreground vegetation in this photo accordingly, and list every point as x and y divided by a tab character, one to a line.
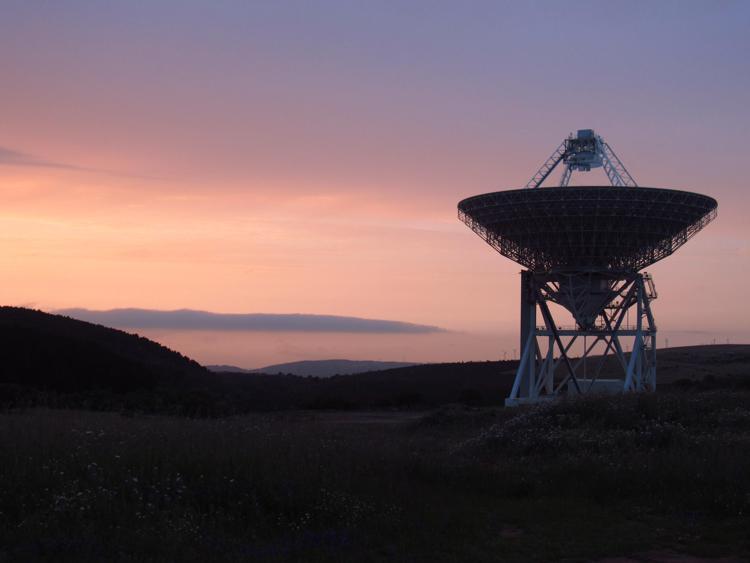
575	480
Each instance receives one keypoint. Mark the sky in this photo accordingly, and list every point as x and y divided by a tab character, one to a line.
307	157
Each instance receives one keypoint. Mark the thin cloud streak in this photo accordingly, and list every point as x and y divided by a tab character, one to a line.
187	319
11	157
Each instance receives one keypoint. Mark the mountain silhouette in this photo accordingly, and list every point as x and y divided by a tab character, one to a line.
318	368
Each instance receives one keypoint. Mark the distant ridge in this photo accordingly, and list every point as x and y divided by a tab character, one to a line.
223	368
329	368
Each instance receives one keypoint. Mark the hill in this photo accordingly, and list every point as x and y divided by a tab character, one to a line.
329	368
58	354
470	383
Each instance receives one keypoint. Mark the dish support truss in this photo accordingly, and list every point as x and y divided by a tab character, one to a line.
547	369
584	151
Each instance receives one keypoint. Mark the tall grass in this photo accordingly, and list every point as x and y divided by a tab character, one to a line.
583	478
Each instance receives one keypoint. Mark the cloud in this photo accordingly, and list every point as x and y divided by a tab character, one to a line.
186	319
10	157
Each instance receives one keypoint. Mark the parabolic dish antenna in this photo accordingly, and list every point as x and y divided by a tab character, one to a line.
584	248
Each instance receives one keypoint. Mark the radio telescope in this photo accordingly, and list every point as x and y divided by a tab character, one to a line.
584	248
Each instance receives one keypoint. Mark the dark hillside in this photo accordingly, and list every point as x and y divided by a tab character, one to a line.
56	353
470	383
485	383
475	383
695	363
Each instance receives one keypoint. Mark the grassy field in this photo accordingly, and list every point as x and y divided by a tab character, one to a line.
575	480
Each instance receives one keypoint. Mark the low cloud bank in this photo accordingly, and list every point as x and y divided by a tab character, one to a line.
186	319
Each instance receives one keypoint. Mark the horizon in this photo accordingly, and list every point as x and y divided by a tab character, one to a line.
307	159
370	342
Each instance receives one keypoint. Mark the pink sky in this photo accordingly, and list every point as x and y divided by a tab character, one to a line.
240	159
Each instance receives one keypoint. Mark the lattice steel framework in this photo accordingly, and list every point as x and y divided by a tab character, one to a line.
583	151
546	368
